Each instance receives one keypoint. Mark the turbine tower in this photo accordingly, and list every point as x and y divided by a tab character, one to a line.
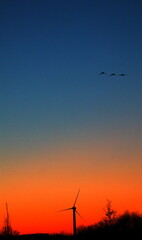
73	208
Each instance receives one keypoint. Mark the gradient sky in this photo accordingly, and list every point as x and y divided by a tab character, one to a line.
62	125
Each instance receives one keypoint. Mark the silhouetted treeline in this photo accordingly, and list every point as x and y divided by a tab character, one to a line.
123	227
112	226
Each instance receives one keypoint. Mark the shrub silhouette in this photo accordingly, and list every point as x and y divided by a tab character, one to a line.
131	222
113	225
8	231
123	226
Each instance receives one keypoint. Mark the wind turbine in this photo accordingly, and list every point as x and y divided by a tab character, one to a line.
73	208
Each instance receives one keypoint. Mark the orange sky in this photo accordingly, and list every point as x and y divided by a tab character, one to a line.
63	125
42	183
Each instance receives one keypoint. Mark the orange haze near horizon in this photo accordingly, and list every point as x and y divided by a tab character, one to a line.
42	183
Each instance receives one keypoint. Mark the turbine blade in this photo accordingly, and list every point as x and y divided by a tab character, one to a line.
65	210
80	215
76	198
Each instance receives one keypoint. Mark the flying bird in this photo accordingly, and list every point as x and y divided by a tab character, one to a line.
102	73
112	74
122	74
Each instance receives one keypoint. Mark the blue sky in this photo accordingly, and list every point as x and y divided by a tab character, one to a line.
62	125
51	54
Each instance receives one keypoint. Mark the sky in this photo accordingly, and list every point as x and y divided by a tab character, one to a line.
64	127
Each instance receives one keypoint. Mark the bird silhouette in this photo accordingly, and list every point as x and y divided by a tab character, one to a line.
122	74
112	74
102	73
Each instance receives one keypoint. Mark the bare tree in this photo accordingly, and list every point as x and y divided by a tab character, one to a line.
7	229
110	214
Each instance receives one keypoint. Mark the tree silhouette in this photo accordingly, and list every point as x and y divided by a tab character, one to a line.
110	214
7	228
130	222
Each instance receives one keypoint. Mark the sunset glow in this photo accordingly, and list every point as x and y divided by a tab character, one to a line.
71	111
35	191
